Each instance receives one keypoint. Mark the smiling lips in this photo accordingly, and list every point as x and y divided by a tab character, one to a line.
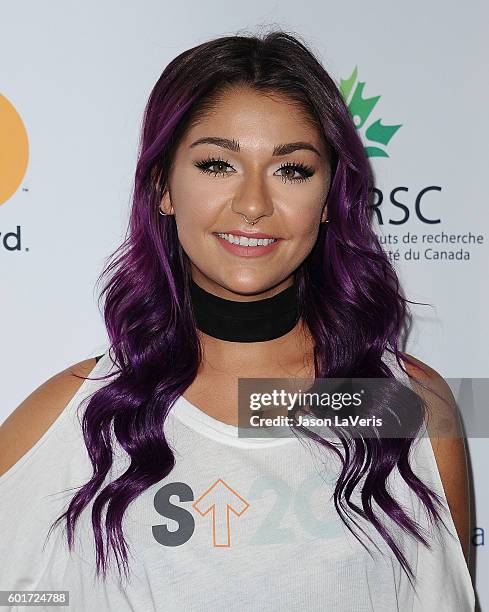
246	246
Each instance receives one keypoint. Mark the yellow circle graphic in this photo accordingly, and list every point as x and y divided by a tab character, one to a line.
14	150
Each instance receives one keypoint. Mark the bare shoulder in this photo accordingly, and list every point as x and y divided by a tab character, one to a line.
442	414
447	441
31	419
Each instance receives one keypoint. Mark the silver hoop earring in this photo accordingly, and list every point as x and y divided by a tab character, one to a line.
162	213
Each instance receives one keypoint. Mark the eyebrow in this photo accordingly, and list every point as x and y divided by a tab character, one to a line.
233	145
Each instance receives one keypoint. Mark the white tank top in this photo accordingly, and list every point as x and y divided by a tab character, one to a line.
239	524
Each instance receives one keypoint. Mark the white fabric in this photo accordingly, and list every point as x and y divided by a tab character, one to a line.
273	542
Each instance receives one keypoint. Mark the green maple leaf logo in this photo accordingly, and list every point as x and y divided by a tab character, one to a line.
360	109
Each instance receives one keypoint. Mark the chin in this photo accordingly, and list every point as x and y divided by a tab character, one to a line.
252	287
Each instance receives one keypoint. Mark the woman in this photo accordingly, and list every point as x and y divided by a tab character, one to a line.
250	254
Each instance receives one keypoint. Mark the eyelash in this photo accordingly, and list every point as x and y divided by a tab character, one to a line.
307	171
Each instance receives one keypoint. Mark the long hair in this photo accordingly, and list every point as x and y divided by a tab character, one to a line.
349	297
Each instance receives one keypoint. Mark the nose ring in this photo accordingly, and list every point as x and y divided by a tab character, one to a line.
250	222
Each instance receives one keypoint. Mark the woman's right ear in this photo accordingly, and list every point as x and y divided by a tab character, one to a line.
165	204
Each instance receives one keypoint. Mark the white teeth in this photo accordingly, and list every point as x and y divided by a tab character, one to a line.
245	241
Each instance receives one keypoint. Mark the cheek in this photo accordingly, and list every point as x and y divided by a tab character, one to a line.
303	227
195	214
303	223
196	204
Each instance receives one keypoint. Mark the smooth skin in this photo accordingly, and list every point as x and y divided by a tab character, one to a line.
251	182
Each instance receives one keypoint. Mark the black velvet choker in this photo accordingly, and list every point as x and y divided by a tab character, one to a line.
255	321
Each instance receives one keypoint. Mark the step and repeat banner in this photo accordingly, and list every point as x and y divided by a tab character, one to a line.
74	80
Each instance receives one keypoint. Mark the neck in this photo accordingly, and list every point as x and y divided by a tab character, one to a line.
256	321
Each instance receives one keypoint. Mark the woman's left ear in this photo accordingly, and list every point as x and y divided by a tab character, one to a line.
324	216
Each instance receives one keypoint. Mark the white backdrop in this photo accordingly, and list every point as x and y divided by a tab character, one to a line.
76	77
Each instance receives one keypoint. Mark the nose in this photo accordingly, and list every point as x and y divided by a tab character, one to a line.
253	200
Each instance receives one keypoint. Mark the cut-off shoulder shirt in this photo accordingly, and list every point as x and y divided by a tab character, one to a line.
239	524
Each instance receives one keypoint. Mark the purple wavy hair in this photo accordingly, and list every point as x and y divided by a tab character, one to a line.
349	296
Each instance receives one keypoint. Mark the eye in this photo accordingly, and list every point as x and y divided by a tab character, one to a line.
206	164
292	168
305	172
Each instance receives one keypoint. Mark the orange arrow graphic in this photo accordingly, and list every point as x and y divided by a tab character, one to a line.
221	499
